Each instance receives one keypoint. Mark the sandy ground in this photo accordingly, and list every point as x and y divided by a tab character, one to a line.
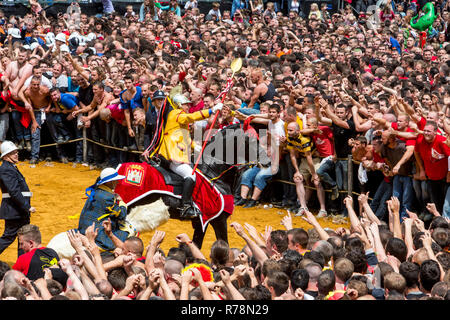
58	193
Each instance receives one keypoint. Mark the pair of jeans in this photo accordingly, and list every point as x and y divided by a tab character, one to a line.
403	191
341	170
257	177
4	125
60	127
248	111
56	125
324	173
36	136
21	133
378	203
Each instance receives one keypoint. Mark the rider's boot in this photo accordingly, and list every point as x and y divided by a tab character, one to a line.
188	210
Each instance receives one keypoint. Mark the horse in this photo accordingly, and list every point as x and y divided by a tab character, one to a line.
153	193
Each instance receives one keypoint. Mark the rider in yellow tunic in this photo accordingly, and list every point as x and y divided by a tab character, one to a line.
175	146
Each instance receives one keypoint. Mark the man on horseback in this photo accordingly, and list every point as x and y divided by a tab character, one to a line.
174	146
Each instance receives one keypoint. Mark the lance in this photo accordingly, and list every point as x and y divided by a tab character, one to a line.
235	66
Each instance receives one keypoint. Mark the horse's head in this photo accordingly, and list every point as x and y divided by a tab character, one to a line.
236	144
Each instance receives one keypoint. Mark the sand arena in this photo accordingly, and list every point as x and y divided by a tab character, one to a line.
59	193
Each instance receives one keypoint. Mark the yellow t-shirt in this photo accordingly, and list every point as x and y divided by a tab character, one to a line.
301	143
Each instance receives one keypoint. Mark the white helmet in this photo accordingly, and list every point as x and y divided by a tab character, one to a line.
14	32
7	147
61	37
180	99
109	174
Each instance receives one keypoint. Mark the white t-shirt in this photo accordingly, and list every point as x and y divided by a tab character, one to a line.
276	130
215	12
190	4
44	81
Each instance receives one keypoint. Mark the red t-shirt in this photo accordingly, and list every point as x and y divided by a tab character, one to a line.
434	156
33	263
379	159
324	141
117	113
409	142
421	125
199	106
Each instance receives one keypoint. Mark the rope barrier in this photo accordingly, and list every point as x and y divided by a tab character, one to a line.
314	188
57	144
111	147
139	152
92	141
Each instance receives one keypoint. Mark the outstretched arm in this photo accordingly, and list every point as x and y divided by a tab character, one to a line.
313	221
108	230
196	253
84	73
157	239
335	119
258	252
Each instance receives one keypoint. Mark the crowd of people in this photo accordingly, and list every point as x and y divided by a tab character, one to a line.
335	92
370	261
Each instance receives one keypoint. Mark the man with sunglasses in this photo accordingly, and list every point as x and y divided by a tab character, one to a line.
15	208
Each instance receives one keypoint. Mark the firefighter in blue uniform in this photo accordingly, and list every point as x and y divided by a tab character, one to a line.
15	208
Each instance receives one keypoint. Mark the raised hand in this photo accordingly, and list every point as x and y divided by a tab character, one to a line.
394	205
92	232
412	215
225	276
128	260
267	232
251	230
157	238
65	265
238	228
287	221
243	257
182	238
75	239
348	201
299	294
309	217
432	208
363	198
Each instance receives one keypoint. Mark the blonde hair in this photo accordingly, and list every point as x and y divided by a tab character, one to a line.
30	232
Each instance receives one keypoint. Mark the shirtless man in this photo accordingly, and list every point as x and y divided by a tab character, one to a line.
360	149
263	91
36	97
16	74
100	101
131	98
95	127
146	94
